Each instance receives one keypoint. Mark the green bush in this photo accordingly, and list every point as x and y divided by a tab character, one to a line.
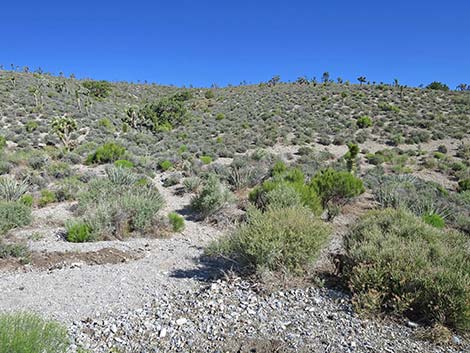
336	187
277	239
47	197
364	122
396	263
438	86
13	215
220	116
164	114
32	125
434	220
212	197
78	232
166	165
285	179
98	89
107	153
27	200
464	185
28	333
176	221
209	94
123	163
206	159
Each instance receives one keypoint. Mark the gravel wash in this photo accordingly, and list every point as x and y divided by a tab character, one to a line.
234	316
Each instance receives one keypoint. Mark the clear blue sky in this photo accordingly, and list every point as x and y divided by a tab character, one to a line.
202	42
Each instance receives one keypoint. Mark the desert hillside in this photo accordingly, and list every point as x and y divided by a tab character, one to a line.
277	217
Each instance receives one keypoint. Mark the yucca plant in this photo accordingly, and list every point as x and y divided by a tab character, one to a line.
11	189
121	176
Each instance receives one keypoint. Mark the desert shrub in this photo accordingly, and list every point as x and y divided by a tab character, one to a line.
106	123
59	170
277	239
98	89
68	189
116	209
31	125
14	250
3	143
78	232
165	165
206	159
284	196
212	197
438	86
13	215
364	122
28	333
47	197
192	184
292	178
220	116
176	221
107	153
396	263
11	189
464	185
173	179
164	114
417	196
336	187
123	163
209	94
27	200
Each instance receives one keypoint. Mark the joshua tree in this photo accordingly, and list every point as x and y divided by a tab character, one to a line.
274	80
462	86
362	79
63	127
395	82
325	77
302	80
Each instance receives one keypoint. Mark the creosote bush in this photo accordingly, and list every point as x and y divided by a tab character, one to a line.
28	333
336	187
108	153
396	263
277	239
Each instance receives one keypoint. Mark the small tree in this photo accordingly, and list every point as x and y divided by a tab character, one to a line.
462	87
63	127
362	80
325	77
274	80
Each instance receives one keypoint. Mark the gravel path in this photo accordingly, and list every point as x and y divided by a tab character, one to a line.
69	293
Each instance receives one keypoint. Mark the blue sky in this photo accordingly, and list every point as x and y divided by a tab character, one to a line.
203	42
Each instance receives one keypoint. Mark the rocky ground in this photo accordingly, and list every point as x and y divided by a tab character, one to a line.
160	295
233	315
